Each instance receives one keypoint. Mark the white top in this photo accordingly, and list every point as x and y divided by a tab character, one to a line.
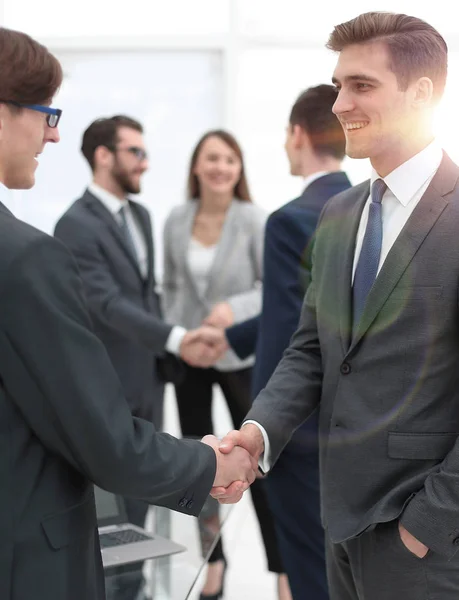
200	261
405	187
113	204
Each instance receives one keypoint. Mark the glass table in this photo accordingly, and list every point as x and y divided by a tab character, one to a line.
174	577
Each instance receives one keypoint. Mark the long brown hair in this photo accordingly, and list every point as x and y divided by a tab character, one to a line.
241	190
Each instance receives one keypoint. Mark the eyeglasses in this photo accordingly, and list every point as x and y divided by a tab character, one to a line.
139	153
53	115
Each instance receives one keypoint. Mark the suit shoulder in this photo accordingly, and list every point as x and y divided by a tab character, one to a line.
18	239
75	213
348	195
252	214
179	212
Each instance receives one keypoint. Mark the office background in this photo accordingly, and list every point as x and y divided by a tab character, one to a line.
182	67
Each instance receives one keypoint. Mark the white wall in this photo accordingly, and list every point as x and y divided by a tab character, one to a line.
269	51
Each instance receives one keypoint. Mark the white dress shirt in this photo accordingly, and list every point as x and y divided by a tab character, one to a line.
113	204
405	187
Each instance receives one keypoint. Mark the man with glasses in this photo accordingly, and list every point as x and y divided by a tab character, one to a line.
64	420
111	238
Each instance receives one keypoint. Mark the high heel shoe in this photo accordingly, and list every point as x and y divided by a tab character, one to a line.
220	592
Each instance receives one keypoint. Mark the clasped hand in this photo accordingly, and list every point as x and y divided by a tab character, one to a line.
202	347
237	462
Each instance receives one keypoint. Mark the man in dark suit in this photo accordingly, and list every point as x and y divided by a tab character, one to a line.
377	348
110	237
64	420
315	149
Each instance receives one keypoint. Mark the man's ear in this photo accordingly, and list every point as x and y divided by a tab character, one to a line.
423	93
297	136
103	157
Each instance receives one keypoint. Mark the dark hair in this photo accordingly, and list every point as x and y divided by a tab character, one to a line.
241	190
104	132
415	48
312	111
30	74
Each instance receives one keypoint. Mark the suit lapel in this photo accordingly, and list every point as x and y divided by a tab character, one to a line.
418	226
350	225
145	226
98	209
185	231
227	241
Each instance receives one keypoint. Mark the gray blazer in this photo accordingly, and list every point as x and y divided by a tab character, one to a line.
124	307
388	397
235	276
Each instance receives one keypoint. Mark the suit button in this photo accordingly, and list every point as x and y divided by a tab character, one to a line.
182	503
456	542
189	504
345	368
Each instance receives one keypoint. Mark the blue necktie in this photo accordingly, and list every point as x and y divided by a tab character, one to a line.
126	232
367	267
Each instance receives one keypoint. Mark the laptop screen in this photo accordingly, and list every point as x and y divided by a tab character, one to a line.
109	508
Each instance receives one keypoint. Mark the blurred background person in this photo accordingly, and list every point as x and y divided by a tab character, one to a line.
213	249
111	238
315	149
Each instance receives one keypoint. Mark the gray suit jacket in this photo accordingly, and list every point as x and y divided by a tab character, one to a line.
388	397
124	307
64	423
235	276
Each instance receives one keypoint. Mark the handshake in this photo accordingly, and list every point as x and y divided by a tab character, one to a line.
237	462
204	346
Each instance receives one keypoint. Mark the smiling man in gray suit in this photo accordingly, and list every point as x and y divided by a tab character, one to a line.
377	348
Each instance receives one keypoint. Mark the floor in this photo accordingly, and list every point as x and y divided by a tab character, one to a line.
247	576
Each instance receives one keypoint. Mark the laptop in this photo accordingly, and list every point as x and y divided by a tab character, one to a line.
122	542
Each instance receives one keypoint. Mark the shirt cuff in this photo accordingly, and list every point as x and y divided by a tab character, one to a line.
175	339
264	461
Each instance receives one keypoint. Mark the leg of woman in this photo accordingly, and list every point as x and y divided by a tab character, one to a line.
236	387
194	401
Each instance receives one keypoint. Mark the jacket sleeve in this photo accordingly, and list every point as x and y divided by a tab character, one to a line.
243	337
293	392
59	377
104	297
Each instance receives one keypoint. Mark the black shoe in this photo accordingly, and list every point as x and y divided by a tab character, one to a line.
220	593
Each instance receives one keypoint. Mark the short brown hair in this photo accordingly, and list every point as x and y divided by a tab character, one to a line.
30	74
241	190
312	111
415	48
104	132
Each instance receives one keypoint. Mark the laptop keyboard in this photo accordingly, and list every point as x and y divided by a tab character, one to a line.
119	538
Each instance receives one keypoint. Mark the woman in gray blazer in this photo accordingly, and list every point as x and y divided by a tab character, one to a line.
212	274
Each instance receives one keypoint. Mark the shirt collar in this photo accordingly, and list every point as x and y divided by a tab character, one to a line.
409	177
112	203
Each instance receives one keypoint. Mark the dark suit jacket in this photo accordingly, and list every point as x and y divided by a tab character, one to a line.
389	395
288	237
64	423
124	307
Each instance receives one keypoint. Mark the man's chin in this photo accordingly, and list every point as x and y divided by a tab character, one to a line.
355	152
